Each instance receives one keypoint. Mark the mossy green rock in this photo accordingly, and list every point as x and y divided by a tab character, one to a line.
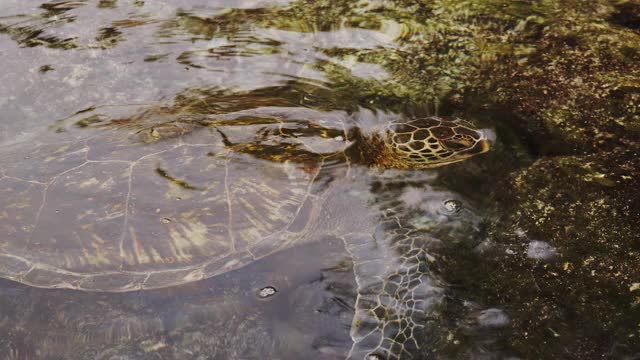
562	255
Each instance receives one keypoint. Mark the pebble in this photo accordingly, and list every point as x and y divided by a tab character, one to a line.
493	318
540	250
266	292
452	206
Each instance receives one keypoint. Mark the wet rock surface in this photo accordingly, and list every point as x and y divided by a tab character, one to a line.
573	293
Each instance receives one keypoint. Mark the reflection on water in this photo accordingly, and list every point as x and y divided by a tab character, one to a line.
178	158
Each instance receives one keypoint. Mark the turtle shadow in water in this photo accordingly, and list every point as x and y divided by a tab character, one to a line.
218	318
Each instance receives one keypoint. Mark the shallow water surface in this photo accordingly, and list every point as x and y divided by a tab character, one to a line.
162	163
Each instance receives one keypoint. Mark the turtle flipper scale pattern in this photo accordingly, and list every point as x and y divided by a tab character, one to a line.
396	292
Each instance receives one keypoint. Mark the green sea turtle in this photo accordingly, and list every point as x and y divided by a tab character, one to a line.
192	198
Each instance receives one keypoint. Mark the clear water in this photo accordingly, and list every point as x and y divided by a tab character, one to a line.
71	69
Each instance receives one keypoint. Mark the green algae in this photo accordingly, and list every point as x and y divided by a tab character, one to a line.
567	70
580	302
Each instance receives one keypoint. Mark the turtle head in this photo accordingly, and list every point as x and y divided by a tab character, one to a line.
429	142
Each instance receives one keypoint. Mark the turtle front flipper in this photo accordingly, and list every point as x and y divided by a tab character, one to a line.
397	294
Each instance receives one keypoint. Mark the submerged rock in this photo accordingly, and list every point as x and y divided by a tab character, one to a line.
493	318
540	250
267	292
587	210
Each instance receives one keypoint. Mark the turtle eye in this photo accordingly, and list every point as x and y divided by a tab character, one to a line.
477	135
455	145
458	142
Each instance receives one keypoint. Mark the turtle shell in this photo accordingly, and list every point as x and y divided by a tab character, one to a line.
108	214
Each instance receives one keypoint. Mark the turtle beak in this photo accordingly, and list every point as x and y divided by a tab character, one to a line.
487	137
483	145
